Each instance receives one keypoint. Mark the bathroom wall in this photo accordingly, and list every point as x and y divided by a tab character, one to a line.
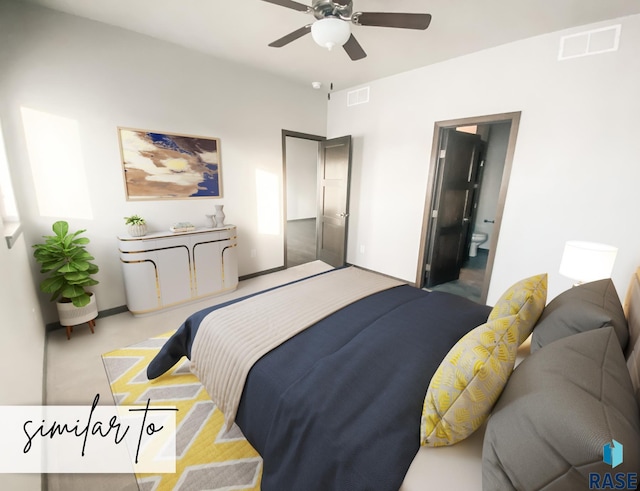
491	180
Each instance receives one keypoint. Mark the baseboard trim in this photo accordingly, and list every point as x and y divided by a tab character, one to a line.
261	273
301	219
382	274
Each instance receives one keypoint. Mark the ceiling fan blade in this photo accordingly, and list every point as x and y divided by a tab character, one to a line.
292	36
392	19
290	4
353	49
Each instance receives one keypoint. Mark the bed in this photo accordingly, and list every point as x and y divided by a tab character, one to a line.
367	391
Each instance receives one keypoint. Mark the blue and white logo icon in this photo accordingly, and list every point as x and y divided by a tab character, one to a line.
613	453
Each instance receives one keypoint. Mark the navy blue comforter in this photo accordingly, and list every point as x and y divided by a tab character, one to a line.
338	406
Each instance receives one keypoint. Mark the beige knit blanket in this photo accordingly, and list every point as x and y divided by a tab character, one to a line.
231	339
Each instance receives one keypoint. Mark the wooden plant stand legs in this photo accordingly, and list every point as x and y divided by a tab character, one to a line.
92	324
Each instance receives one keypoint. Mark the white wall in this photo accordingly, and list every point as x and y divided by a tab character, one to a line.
302	178
575	172
492	180
21	328
23	336
105	77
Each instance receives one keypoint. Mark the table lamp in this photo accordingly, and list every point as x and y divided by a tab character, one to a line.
587	261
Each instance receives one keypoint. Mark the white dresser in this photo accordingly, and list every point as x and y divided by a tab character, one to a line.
165	269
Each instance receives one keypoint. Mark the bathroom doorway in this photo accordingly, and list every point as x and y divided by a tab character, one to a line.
469	174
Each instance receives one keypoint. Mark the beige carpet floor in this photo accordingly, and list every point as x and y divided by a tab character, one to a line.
75	372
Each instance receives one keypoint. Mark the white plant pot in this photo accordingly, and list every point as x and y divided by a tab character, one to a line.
70	315
137	230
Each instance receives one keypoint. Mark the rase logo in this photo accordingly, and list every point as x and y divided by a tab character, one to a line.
613	455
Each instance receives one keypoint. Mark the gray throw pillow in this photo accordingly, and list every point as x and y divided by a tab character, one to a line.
581	308
560	407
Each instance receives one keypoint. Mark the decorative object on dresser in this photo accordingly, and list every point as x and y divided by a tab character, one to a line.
182	227
219	216
165	269
169	165
64	257
136	225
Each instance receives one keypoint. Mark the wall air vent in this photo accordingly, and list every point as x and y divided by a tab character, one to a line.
591	42
358	96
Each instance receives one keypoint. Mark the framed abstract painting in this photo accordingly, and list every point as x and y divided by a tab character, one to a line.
161	165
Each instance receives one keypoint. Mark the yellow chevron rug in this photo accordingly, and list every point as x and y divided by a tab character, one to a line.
207	458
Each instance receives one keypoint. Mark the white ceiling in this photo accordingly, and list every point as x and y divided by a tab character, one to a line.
241	30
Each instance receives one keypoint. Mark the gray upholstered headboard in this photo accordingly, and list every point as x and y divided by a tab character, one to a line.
632	312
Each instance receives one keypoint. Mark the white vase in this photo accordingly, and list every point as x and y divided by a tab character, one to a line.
219	216
137	230
211	221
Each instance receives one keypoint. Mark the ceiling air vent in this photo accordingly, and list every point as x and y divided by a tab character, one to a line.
359	96
590	42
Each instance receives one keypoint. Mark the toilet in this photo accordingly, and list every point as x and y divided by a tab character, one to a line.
477	238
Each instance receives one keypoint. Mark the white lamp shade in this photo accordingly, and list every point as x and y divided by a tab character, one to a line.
587	261
330	32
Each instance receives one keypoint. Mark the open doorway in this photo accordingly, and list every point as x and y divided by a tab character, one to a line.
300	161
317	179
469	175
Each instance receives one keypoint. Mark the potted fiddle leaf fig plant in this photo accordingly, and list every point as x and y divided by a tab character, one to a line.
67	263
136	225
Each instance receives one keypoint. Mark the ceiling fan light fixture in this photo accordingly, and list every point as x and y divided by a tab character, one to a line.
330	32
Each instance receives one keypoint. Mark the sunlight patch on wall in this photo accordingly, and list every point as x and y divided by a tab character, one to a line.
268	202
57	166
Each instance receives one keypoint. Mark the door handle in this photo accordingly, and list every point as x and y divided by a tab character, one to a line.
342	215
465	220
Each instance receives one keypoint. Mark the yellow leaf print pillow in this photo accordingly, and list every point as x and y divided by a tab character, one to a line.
526	299
468	382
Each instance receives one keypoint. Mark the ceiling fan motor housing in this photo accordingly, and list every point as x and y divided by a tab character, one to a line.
327	8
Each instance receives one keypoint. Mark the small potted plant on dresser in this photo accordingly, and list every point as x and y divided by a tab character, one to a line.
66	261
136	225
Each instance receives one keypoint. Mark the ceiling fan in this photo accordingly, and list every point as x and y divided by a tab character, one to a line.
332	24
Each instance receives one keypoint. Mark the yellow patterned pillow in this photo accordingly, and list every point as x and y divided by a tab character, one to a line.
526	299
468	382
